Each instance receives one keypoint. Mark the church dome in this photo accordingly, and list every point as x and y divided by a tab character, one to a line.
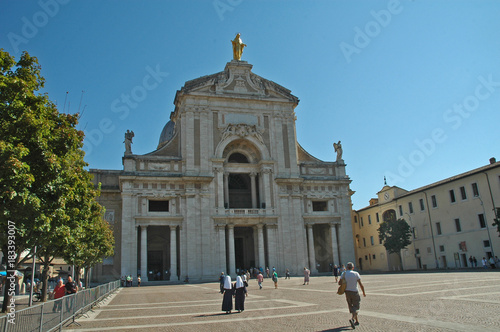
166	134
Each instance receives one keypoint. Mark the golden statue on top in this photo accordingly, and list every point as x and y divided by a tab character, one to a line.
237	47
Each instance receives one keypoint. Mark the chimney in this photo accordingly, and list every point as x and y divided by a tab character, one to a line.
493	160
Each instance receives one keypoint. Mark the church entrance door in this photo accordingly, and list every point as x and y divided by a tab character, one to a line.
244	248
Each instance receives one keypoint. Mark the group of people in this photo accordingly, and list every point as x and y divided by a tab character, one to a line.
61	290
487	263
127	281
237	290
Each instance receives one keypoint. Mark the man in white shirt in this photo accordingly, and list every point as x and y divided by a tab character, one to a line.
351	292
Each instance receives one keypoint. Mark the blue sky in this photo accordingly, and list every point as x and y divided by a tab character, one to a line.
411	88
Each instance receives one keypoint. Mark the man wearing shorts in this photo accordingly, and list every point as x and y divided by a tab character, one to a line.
351	292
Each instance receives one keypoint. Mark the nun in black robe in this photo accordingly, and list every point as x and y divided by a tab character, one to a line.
227	300
240	293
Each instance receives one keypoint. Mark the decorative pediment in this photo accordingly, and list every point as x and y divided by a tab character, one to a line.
242	131
237	79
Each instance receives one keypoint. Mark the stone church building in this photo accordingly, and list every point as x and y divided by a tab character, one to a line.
227	188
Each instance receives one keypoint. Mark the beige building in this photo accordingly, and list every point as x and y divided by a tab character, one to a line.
451	221
228	187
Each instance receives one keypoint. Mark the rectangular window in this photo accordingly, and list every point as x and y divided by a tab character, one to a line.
438	228
475	190
410	207
429	250
364	242
434	201
417	251
362	222
158	206
482	221
486	243
373	256
422	206
372	241
356	219
319	206
369	220
378	218
400	210
463	193
414	231
441	248
366	258
379	241
452	196
457	225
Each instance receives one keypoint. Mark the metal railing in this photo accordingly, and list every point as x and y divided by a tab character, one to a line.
53	315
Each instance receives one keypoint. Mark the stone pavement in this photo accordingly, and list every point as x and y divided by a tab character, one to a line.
440	301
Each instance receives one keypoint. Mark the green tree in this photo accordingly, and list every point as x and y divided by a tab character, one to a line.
44	189
395	234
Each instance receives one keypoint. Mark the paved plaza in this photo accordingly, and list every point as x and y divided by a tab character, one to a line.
448	301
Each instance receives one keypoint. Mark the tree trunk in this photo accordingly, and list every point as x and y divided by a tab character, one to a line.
10	275
87	277
45	279
400	261
76	271
7	295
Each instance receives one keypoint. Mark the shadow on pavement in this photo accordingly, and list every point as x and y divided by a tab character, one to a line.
212	315
343	328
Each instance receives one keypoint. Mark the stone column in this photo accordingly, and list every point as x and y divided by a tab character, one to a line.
312	255
173	253
262	257
232	260
226	190
129	235
266	190
271	246
335	245
221	251
220	188
253	190
144	253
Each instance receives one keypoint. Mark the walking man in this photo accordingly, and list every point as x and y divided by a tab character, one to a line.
351	292
260	279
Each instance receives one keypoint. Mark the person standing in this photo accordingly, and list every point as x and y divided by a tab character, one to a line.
260	279
287	274
240	291
307	273
275	279
352	297
267	272
221	282
336	273
139	280
227	300
492	262
70	288
485	263
58	292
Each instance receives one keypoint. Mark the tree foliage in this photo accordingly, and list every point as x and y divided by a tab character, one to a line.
44	188
395	235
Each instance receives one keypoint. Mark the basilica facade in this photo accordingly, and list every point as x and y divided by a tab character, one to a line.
227	188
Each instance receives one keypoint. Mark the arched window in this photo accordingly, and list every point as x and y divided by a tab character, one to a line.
389	215
238	158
